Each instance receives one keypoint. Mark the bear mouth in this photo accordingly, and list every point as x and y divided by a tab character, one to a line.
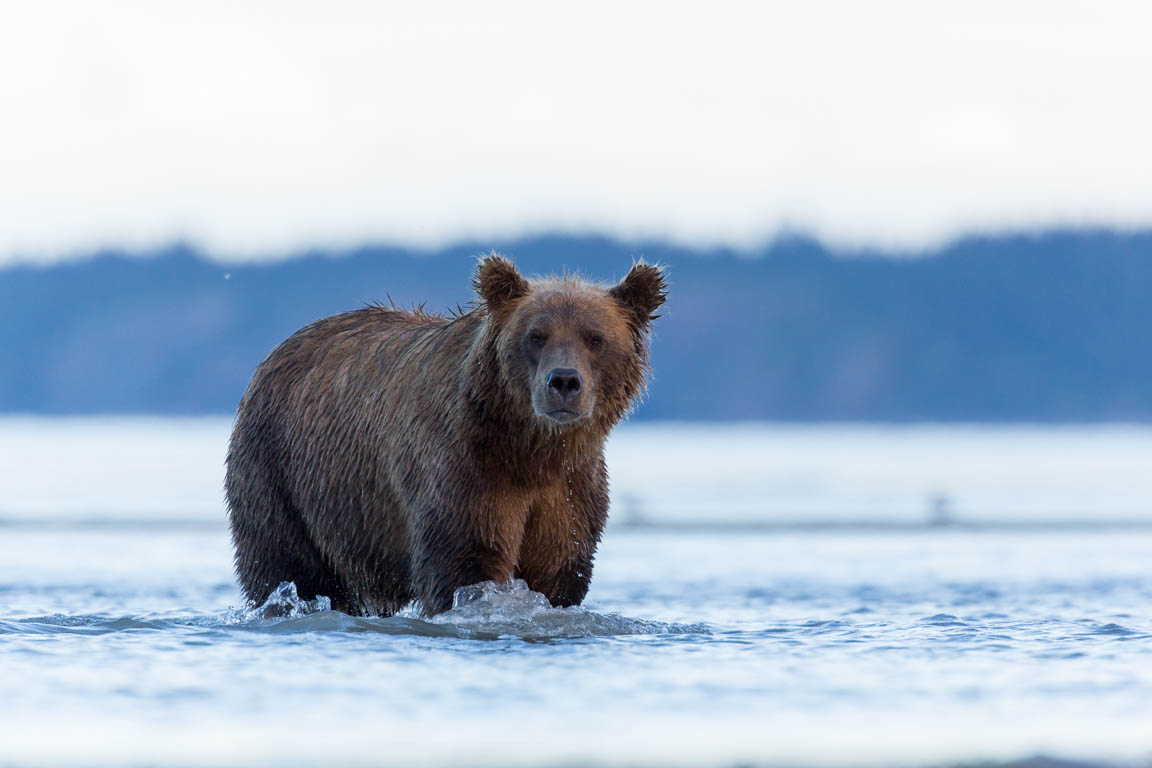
563	415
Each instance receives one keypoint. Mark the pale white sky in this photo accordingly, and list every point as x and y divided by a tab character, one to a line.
256	128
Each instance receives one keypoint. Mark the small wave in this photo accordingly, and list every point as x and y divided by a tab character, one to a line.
285	603
943	620
61	624
514	609
488	610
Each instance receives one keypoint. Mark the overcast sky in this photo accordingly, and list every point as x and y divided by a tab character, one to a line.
252	129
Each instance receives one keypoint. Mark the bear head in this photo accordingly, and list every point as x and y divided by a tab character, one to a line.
571	352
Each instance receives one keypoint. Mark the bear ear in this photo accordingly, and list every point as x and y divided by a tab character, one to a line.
642	291
497	282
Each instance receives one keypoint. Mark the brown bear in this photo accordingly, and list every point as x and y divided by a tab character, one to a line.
382	456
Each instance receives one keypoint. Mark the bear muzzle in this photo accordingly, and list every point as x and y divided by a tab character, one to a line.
564	397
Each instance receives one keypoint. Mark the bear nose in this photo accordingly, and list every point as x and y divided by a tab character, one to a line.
566	381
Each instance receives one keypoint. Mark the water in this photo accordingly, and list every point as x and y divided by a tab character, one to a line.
123	641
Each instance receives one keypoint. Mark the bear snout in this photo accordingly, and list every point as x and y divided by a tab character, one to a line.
565	383
563	395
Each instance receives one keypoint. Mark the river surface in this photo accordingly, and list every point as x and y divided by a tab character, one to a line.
709	638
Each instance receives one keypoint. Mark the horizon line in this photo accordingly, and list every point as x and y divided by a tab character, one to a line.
782	238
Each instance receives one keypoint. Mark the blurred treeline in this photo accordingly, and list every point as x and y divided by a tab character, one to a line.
1052	326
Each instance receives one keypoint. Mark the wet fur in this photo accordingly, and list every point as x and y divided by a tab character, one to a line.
381	456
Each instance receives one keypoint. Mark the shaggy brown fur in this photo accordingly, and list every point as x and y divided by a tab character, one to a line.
381	456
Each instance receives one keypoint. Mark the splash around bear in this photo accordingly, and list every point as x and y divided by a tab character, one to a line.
383	456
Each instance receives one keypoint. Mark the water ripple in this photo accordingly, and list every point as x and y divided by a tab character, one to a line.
482	612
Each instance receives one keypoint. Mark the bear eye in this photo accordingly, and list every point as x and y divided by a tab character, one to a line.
536	338
595	342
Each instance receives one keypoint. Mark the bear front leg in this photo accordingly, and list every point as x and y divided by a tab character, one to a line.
567	584
454	552
561	538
